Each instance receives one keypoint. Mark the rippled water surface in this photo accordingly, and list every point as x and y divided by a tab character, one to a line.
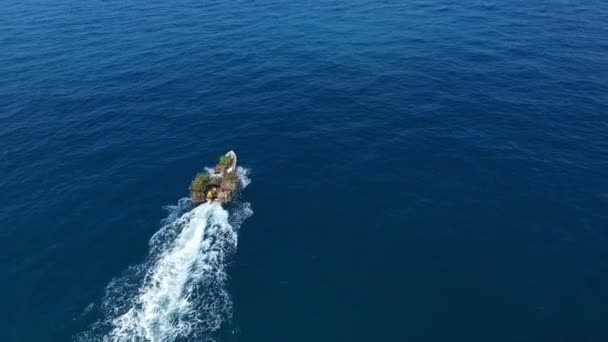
420	170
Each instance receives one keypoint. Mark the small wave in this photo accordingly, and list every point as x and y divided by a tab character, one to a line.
243	174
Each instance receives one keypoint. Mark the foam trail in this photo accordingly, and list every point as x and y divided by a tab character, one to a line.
163	311
179	292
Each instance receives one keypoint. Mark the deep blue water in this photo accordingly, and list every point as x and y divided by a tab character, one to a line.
421	170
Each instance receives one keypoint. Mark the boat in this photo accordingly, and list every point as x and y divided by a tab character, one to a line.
219	184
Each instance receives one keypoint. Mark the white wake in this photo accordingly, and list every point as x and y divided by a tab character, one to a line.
179	293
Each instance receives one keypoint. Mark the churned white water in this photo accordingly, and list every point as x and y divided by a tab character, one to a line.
179	291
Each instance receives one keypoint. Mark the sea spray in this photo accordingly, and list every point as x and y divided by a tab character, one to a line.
166	306
179	292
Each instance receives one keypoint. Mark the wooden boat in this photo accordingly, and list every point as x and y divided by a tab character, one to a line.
219	184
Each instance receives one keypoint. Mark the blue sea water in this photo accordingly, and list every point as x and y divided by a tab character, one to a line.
420	170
